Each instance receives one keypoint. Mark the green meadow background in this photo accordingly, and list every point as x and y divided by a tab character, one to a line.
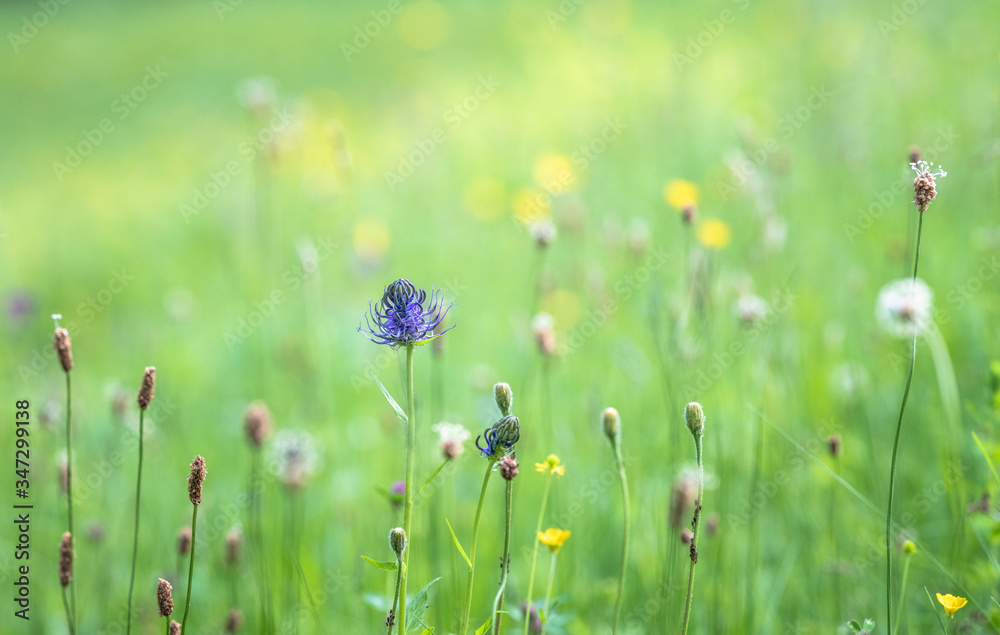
236	247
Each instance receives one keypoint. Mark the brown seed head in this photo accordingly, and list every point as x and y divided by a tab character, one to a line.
451	449
64	347
257	423
235	621
165	598
146	390
174	628
923	190
687	536
689	214
834	444
66	559
184	541
914	154
196	479
508	467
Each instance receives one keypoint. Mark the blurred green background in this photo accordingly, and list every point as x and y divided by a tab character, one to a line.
219	188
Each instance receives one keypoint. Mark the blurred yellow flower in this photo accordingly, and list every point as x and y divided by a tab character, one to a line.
679	193
551	465
485	198
714	234
371	238
531	206
563	306
554	172
554	538
951	603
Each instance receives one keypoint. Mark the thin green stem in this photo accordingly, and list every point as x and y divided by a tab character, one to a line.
697	526
472	549
504	562
895	448
548	591
534	553
69	481
69	618
135	536
194	543
395	599
627	522
168	624
902	594
408	487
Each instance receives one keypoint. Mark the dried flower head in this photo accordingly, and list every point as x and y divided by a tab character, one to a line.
905	307
544	327
164	598
64	347
66	559
400	318
294	457
397	541
234	545
196	479
257	423
146	389
451	439
924	185
508	467
174	628
499	439
184	541
235	621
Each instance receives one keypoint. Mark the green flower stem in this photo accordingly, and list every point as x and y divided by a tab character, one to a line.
895	448
69	618
472	550
902	593
187	602
627	523
697	525
168	624
505	561
69	483
395	599
135	536
408	487
534	552
548	591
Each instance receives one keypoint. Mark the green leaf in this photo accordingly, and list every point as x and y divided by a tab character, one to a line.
431	478
986	456
416	606
392	402
458	544
388	566
482	629
428	631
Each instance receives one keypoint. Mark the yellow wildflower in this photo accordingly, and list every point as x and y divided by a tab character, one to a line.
951	603
554	538
552	465
714	234
679	193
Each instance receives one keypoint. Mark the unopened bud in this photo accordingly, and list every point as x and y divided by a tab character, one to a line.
695	418
397	541
504	396
612	425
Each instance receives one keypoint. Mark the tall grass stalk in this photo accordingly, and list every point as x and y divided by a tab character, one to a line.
505	560
408	489
135	535
696	424
534	552
69	481
472	550
895	449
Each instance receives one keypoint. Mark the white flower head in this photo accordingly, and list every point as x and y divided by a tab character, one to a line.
750	308
543	231
905	307
294	457
544	326
451	438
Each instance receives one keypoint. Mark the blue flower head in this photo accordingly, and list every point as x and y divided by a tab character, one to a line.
500	438
400	318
